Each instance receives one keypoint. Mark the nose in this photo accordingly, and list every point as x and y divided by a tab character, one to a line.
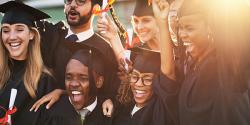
74	84
139	82
13	35
73	3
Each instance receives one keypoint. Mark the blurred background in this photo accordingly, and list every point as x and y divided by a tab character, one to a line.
123	8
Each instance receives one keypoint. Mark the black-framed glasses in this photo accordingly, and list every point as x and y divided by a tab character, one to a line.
147	78
78	2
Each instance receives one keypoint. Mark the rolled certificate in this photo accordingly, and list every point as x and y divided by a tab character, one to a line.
104	4
11	103
127	54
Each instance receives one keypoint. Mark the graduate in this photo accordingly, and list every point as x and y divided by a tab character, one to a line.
84	78
212	91
56	53
21	64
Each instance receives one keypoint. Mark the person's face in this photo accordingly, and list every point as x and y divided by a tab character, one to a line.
16	38
193	31
77	83
78	12
141	85
145	27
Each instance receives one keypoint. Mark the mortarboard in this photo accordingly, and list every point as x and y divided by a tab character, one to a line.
145	60
17	12
190	7
142	8
93	59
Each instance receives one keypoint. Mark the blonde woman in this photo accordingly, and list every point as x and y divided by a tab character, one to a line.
21	64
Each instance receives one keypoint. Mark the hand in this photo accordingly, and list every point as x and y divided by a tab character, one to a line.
52	97
123	72
160	9
107	107
106	27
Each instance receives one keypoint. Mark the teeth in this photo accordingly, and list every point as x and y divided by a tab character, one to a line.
187	43
139	92
15	44
76	92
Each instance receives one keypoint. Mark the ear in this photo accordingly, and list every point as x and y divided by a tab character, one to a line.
99	81
31	35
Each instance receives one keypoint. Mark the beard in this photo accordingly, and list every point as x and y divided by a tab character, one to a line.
82	19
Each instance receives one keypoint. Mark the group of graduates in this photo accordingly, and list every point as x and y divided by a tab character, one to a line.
190	66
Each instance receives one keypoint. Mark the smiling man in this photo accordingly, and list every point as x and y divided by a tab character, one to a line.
84	78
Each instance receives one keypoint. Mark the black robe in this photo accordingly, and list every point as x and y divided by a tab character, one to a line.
63	113
23	101
204	100
57	51
160	110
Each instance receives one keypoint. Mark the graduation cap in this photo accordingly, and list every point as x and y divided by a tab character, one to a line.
93	59
145	60
17	12
142	8
190	7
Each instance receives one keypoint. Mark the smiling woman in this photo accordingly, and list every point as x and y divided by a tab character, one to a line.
21	65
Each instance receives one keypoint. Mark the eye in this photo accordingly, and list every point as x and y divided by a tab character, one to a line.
81	1
146	20
68	78
5	30
84	79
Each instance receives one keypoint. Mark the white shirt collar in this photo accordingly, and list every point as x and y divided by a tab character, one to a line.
82	36
91	107
135	109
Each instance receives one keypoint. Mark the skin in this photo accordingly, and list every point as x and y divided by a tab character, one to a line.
77	81
78	17
142	93
146	29
194	32
16	38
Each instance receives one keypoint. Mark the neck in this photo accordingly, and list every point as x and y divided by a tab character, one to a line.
153	44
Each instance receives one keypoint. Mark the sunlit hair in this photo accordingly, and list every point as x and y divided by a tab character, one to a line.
124	95
34	66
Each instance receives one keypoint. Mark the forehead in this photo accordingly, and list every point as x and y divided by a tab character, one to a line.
142	17
13	25
76	67
143	73
191	19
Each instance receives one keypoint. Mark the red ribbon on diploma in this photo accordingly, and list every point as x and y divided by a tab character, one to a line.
97	11
4	120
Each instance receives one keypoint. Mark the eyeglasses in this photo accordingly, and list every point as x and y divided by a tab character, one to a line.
147	78
78	2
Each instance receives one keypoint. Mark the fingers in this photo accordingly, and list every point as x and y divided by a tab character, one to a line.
50	103
107	107
38	103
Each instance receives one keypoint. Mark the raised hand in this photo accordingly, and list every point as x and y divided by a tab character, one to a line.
106	27
160	9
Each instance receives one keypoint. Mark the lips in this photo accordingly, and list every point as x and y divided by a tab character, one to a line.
139	93
73	14
15	45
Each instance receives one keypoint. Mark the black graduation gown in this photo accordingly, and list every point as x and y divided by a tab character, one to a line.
203	100
96	117
63	113
160	110
23	100
56	53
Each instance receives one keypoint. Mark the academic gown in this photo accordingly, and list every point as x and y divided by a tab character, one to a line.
64	113
57	51
160	110
203	100
23	101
